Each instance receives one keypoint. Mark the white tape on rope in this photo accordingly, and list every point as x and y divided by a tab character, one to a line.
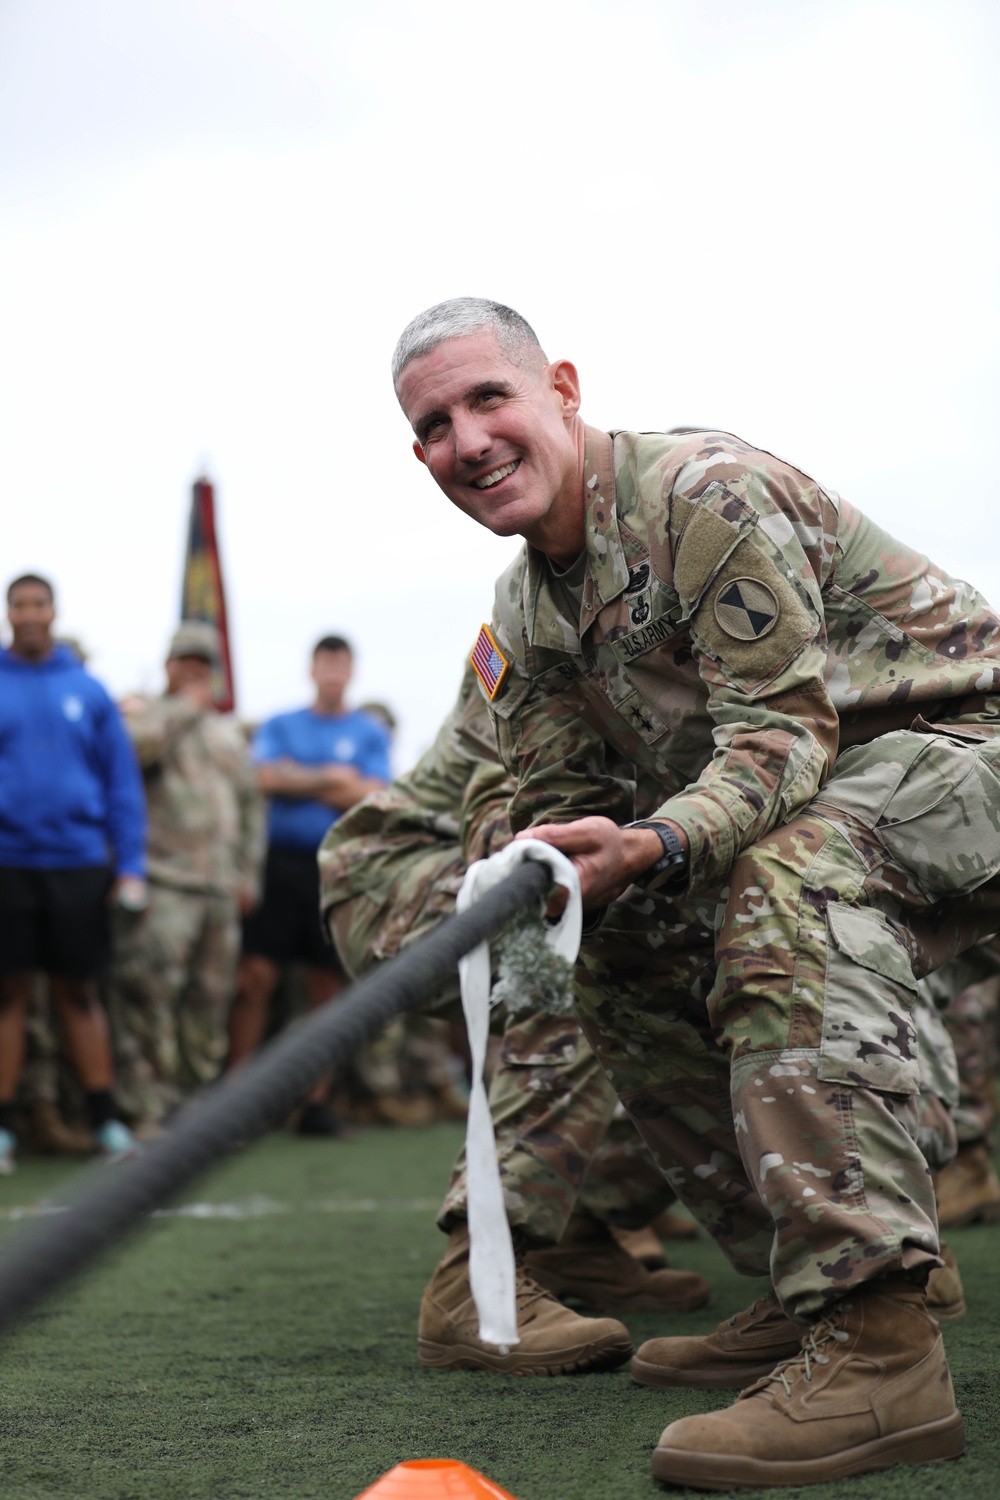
491	1251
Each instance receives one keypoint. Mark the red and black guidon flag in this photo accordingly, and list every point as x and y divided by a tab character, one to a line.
203	596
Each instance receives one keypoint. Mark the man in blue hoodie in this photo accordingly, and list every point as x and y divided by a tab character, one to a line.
72	842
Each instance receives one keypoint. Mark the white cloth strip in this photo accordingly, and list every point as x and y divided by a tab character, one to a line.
491	1251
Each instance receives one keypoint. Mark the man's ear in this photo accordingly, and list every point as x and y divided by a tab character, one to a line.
566	384
418	451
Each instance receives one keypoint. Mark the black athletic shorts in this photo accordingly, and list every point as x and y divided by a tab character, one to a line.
56	921
285	926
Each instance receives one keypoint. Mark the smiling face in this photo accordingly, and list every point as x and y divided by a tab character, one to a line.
504	443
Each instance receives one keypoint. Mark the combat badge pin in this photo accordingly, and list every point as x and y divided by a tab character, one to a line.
746	609
491	666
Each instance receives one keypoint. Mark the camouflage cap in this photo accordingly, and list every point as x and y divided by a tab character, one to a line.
196	638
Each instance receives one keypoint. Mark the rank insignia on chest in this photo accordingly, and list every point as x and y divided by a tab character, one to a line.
490	664
746	609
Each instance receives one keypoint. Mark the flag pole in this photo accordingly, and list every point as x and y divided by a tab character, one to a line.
203	595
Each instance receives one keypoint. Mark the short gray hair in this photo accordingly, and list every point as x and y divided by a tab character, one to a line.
458	318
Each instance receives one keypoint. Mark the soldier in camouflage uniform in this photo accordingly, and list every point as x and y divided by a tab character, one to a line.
175	963
820	706
968	991
389	872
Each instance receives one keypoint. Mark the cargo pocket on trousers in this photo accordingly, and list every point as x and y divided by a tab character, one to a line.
942	823
869	1039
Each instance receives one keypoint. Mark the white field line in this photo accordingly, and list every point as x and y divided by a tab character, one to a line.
248	1208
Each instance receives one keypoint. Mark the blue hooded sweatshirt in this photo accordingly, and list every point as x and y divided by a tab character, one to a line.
70	787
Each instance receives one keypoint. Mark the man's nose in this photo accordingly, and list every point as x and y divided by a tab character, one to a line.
472	438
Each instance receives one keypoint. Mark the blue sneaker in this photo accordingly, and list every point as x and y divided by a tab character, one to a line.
8	1145
115	1141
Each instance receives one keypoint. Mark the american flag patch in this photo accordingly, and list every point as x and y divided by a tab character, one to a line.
489	661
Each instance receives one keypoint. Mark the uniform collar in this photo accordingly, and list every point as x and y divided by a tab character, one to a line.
607	568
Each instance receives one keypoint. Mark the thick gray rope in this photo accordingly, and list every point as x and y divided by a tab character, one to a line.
244	1105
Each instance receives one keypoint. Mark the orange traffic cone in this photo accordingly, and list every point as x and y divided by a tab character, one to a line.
434	1479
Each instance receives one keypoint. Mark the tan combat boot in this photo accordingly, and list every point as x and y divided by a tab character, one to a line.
647	1244
741	1350
945	1295
449	1104
554	1341
968	1189
644	1245
49	1134
869	1387
403	1109
589	1264
671	1226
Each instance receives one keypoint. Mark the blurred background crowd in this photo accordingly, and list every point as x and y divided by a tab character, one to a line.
159	895
160	904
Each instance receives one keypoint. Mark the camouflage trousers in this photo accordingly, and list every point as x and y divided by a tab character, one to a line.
972	1025
412	1054
763	1038
375	925
169	994
47	1077
559	1145
967	992
557	1142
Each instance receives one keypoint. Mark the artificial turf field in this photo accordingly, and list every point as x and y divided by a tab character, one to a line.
262	1345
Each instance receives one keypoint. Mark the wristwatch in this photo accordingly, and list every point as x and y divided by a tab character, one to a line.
670	864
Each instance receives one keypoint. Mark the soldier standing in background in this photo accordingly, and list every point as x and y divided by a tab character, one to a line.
175	962
968	1190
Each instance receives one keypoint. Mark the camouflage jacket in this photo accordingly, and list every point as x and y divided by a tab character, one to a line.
424	829
407	846
455	796
738	626
206	816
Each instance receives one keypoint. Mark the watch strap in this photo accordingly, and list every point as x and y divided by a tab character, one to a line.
670	863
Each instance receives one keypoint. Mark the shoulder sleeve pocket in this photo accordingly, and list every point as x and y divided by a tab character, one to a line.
511	695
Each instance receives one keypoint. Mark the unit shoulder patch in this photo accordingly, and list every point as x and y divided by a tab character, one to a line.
489	662
746	609
752	619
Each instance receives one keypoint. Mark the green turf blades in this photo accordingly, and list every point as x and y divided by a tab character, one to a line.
246	1103
269	1353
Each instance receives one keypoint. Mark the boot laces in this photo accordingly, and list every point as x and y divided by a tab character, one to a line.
526	1288
751	1311
810	1354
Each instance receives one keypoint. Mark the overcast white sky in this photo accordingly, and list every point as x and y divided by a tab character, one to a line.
778	218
